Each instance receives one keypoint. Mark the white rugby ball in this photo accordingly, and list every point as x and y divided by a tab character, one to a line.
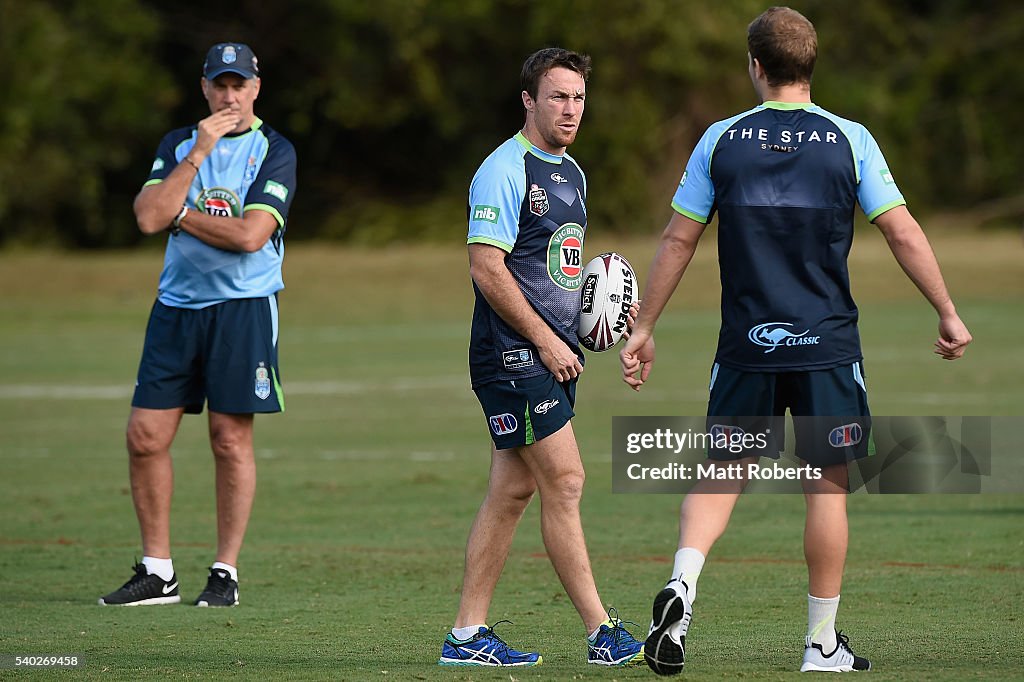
608	290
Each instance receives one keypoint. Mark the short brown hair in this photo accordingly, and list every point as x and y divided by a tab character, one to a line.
542	61
786	45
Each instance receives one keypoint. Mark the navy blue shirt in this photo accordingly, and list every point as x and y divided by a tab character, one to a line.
531	205
785	180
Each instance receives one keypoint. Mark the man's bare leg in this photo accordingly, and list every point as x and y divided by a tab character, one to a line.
509	490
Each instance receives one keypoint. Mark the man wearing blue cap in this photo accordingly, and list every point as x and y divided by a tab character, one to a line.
221	189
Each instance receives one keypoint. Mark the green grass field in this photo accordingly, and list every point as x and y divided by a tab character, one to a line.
369	481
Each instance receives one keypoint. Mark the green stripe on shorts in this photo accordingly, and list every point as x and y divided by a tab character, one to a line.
530	440
278	389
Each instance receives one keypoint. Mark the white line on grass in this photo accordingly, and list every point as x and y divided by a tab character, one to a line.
434	383
351	387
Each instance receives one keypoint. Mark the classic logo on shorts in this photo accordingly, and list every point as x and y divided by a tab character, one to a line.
771	335
845	435
262	382
565	256
542	408
502	424
221	202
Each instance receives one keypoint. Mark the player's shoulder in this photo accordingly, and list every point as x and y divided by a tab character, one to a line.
275	140
508	155
854	131
727	123
574	163
715	131
832	116
179	135
507	160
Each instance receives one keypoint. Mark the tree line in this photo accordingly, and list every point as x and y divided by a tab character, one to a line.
392	104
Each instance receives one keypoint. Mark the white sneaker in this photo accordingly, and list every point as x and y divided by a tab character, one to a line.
665	648
842	660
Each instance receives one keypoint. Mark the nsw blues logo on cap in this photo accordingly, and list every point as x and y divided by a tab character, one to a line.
230	58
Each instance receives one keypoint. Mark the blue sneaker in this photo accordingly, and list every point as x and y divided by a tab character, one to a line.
485	648
614	644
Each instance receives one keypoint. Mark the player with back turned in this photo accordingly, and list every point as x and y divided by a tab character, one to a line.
527	218
784	178
222	188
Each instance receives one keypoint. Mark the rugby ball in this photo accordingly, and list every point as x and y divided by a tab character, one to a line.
608	290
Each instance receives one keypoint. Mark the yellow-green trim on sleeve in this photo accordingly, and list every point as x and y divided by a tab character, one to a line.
154	181
689	214
264	207
507	248
885	207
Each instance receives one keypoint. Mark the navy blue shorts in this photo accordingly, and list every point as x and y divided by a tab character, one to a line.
225	354
524	411
756	402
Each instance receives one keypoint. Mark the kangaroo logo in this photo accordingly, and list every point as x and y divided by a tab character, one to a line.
771	335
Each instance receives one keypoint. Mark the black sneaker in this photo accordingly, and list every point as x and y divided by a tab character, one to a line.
665	648
144	589
220	590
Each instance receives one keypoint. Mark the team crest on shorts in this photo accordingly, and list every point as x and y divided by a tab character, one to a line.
262	382
565	256
539	204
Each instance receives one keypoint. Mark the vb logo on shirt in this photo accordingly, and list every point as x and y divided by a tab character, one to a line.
565	256
221	202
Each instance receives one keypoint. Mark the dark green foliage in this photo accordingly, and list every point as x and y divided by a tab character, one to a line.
392	104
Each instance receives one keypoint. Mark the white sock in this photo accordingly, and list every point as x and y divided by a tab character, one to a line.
161	567
821	622
465	633
593	634
227	567
687	567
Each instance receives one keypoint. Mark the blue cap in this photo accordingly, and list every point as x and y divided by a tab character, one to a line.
230	58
